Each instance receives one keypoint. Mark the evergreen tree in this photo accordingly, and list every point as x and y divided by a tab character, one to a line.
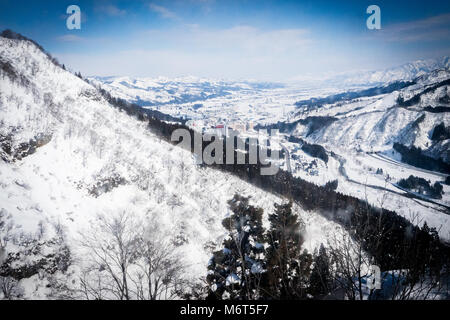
437	190
235	272
320	280
287	267
332	185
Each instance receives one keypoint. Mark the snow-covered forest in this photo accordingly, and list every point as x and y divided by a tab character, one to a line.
97	202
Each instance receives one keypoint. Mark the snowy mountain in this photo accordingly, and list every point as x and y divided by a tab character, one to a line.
405	72
376	137
88	187
215	101
162	91
179	91
353	126
70	159
374	123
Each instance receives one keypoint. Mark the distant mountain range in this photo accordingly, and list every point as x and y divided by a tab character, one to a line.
407	71
404	72
162	90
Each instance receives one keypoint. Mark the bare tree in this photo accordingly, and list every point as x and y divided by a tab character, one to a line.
351	267
159	270
10	288
130	260
112	243
5	234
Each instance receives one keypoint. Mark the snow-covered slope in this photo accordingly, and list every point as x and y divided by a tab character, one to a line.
408	116
361	134
353	129
69	156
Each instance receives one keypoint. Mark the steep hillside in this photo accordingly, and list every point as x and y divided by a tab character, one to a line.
407	116
353	126
375	137
68	156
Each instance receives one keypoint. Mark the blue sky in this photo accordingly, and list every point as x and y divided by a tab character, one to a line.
259	39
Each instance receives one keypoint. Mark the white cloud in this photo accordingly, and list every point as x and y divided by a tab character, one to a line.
164	12
70	38
430	29
238	52
111	10
239	39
